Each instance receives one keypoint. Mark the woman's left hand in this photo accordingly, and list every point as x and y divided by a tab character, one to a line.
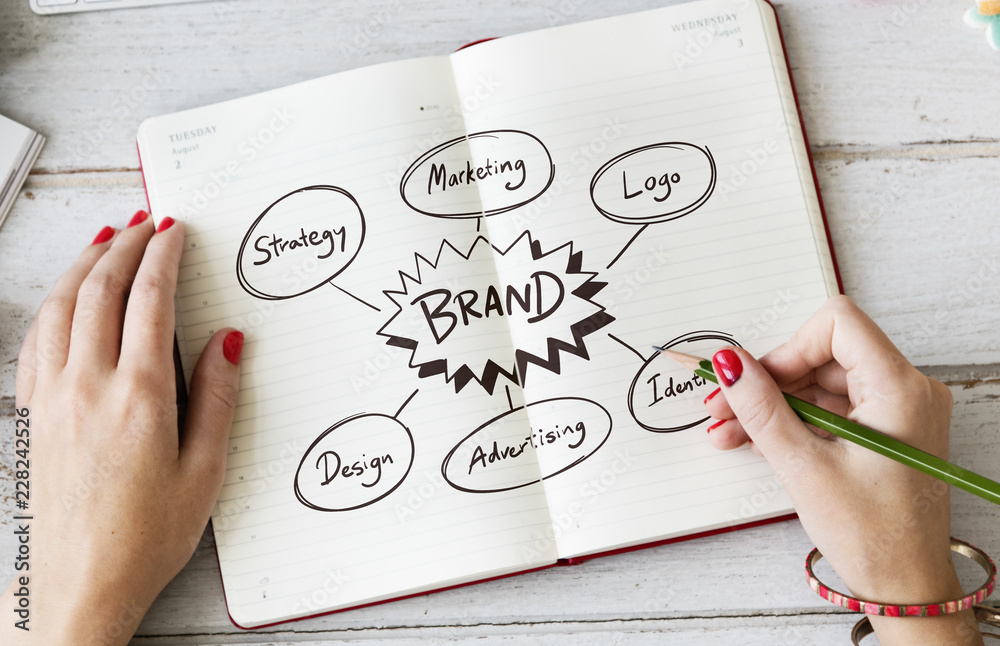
119	498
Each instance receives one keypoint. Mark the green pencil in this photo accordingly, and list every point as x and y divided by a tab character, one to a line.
864	436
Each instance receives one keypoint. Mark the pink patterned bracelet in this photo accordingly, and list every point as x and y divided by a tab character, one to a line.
892	610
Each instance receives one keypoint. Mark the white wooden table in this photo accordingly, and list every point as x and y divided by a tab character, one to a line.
902	107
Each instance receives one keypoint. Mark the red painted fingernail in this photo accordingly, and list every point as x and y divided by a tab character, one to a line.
232	347
139	217
165	224
716	425
728	366
712	394
106	234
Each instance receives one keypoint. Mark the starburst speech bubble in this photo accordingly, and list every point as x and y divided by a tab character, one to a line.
490	313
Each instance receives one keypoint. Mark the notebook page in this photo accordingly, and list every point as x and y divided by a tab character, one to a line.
675	177
333	494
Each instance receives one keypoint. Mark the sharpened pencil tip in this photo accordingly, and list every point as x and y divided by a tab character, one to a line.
658	348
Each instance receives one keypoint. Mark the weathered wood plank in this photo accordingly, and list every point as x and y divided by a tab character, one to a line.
868	74
783	630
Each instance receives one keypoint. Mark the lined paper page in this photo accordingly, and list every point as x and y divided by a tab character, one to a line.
334	493
682	98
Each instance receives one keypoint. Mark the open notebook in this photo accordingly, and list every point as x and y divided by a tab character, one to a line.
450	271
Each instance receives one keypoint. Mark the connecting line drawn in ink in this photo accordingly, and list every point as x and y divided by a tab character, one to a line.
302	241
498	455
540	300
356	462
653	184
665	398
511	166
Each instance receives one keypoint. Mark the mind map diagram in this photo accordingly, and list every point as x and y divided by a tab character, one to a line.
547	294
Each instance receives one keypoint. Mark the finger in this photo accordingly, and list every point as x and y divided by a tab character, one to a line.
97	323
761	407
717	405
839	332
831	376
727	435
55	316
24	382
214	386
816	394
148	333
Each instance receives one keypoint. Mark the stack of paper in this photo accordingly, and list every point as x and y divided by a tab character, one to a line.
19	147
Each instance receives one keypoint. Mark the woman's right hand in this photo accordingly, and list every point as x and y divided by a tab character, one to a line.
883	526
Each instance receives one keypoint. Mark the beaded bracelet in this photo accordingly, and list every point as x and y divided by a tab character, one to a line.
892	610
984	615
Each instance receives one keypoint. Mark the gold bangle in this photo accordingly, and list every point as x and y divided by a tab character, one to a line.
984	615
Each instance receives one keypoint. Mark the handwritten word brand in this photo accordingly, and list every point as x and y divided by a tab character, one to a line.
542	282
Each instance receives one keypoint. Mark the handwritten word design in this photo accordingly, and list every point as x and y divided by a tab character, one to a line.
500	455
354	463
540	300
664	397
300	242
483	174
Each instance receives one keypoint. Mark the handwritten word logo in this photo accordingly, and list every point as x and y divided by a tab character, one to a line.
539	300
655	183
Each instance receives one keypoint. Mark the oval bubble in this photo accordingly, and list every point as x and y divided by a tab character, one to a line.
500	456
516	169
303	240
665	397
354	463
655	183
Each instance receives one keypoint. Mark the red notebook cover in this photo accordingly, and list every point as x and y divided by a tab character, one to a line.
182	397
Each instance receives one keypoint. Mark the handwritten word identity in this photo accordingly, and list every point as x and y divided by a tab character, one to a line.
674	389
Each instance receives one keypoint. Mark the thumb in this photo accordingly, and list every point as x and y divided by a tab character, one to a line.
214	386
761	409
